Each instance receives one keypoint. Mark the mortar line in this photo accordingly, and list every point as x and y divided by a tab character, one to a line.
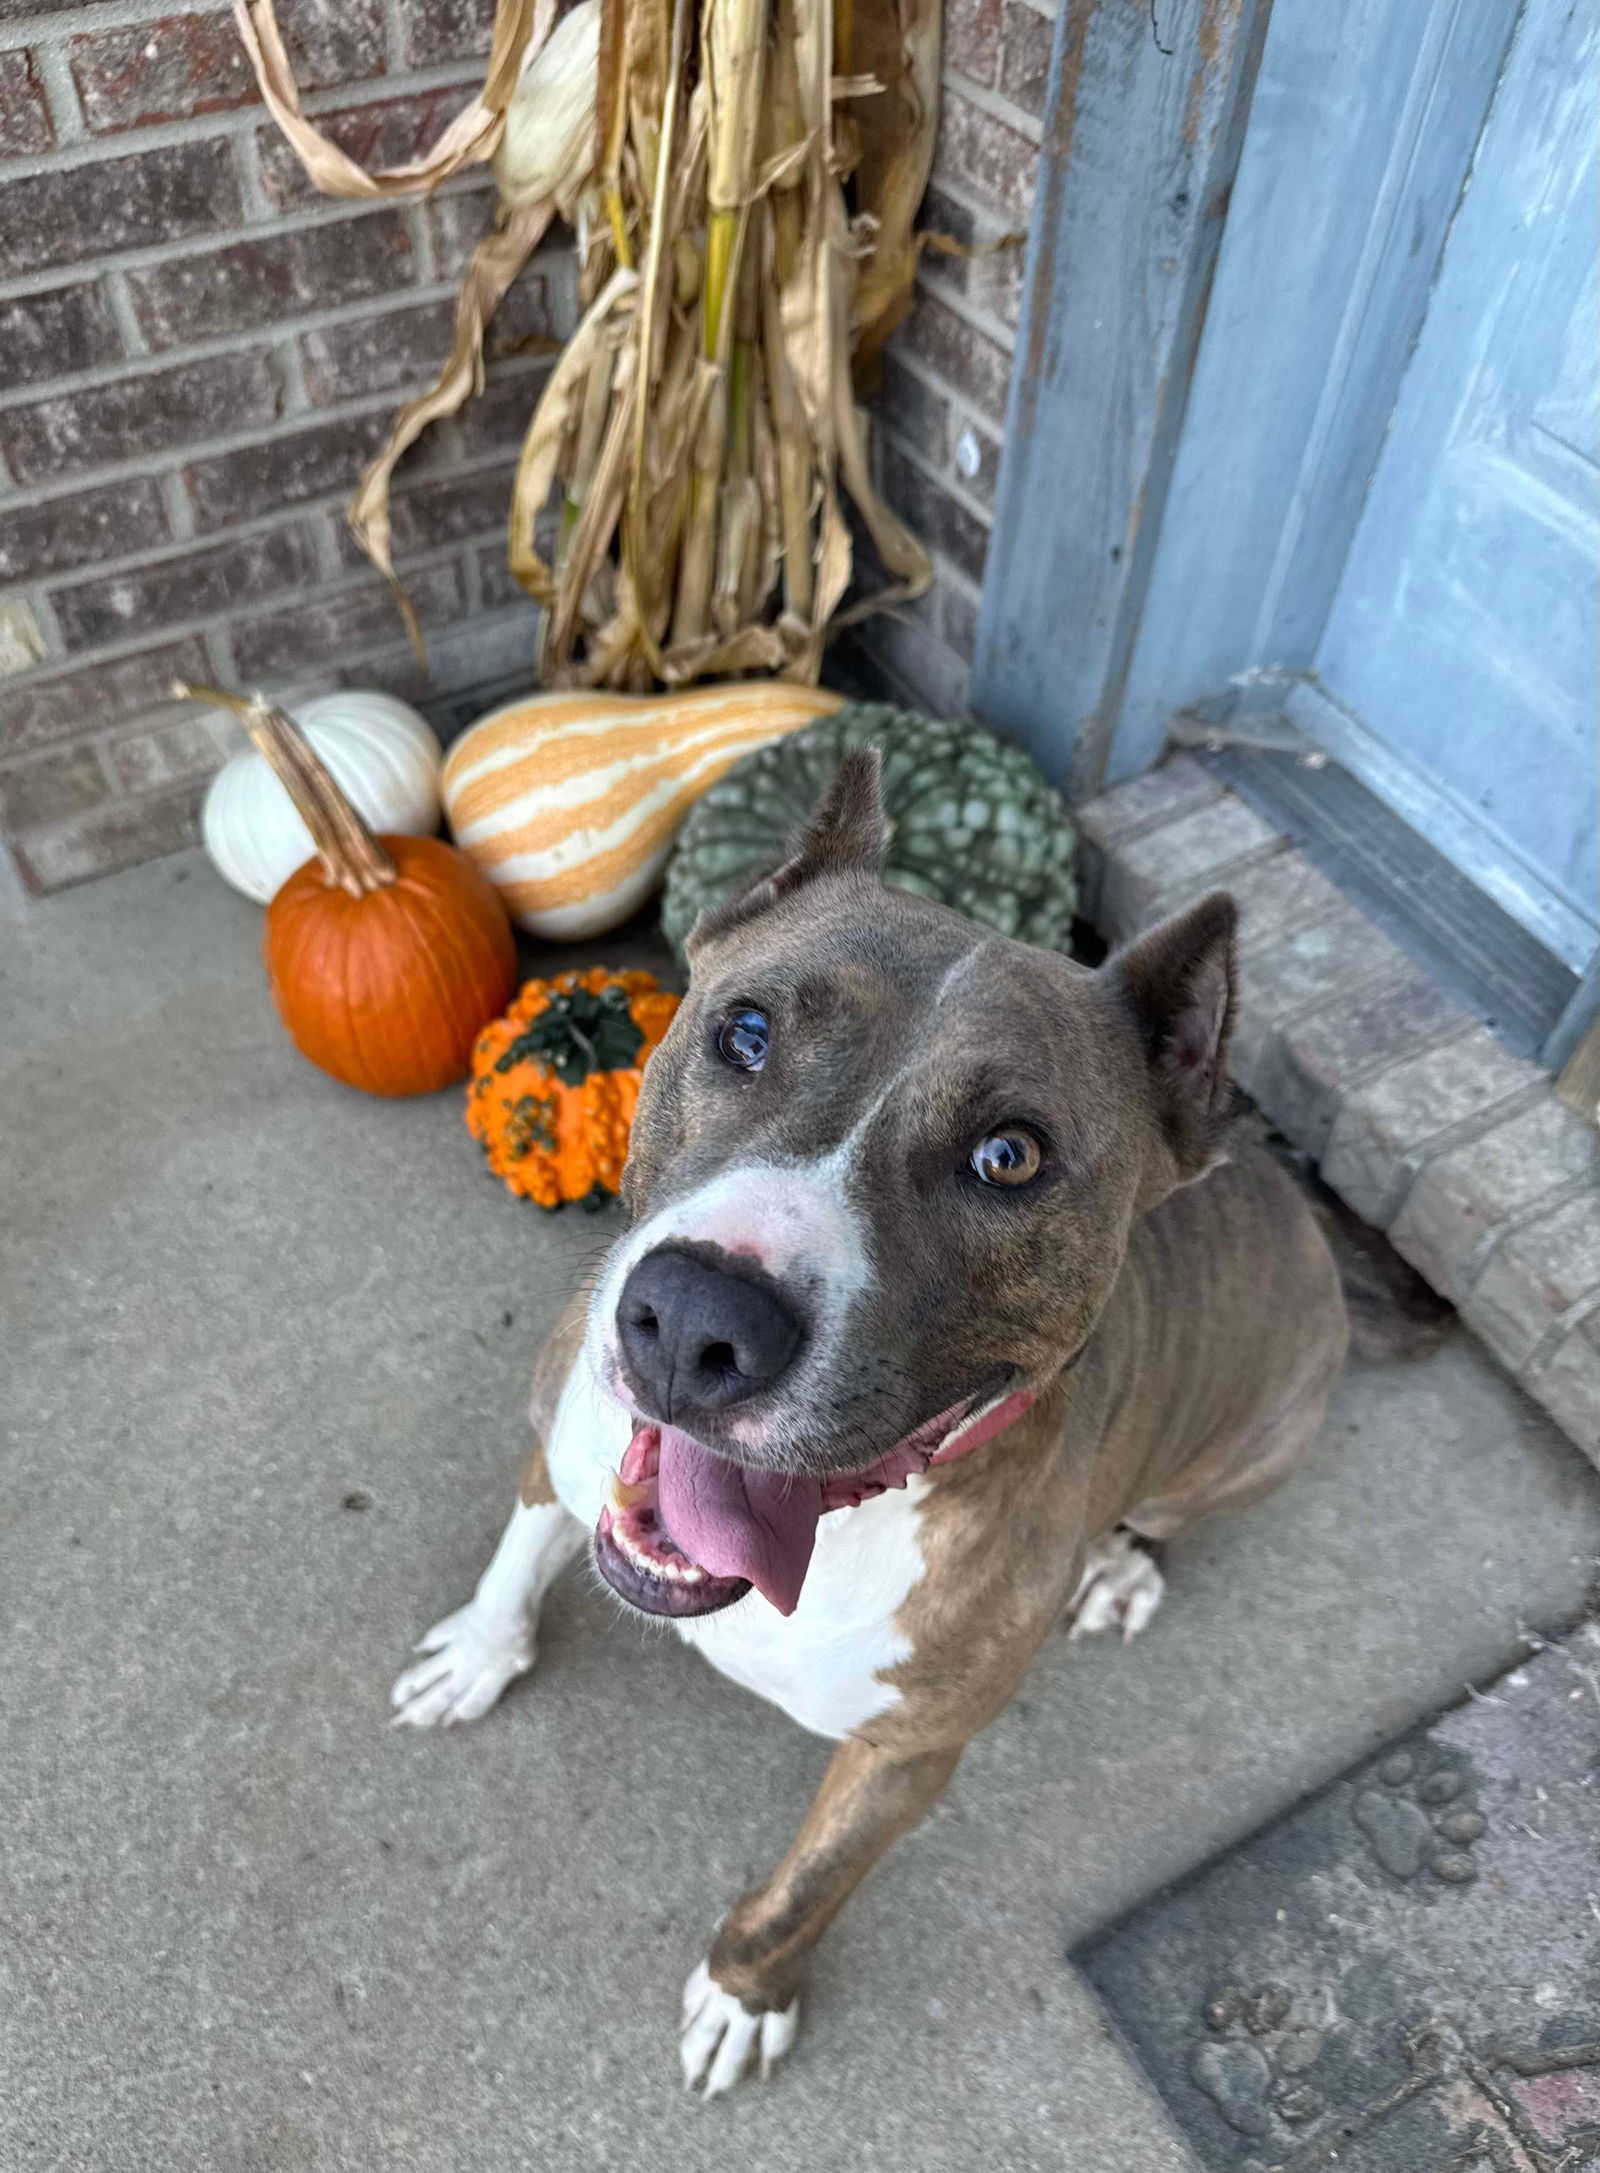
295	219
181	545
204	449
349	580
66	109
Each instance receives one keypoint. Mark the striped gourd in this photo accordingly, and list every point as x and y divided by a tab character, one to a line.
570	802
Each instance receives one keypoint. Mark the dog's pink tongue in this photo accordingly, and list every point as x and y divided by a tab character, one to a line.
735	1522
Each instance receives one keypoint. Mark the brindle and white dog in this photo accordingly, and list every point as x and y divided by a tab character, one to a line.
923	1326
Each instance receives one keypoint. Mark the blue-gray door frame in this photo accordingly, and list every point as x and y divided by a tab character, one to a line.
1210	349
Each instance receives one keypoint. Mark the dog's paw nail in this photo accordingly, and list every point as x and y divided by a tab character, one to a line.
722	2040
1120	1589
469	1663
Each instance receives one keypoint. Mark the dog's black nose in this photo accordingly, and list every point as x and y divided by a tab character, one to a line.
696	1338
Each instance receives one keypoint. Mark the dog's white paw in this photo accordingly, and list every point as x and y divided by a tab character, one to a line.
471	1656
721	2037
1120	1588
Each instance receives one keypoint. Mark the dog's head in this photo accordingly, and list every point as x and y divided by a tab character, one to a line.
883	1172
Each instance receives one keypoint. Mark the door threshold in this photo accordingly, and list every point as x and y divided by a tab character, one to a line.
1467	942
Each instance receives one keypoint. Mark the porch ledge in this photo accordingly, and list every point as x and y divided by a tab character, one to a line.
1420	1119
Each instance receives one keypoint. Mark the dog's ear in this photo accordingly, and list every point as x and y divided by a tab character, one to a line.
1176	982
849	833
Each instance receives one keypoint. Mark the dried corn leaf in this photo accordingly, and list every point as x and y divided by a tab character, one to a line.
898	42
470	137
495	264
699	431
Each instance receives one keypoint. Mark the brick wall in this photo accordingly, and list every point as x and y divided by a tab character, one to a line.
197	355
942	406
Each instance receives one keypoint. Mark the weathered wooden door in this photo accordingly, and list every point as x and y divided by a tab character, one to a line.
1457	674
1304	428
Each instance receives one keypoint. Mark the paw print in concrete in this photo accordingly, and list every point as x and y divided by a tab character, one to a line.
1417	1818
1252	2064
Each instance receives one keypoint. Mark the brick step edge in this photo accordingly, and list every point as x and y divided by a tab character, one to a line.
1420	1119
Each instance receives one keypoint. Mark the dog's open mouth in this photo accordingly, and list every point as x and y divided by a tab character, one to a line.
685	1531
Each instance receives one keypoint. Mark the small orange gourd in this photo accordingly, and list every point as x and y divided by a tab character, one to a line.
385	955
556	1081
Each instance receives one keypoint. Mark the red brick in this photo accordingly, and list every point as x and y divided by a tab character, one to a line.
127	203
963	356
355	618
444	512
55	786
283	471
434	31
333	41
942	214
538	303
499	589
389	132
502	415
992	281
934	514
982	153
530	321
958	621
138	415
54	334
190	587
111	838
399	351
972	38
45	709
458	223
255	283
1025	61
81	529
165	754
167	70
997	281
915	411
25	124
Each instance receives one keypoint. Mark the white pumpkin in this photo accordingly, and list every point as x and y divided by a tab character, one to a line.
381	750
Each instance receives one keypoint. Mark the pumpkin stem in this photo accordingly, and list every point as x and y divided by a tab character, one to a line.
351	855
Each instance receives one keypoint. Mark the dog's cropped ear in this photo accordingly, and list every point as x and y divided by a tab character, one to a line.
848	833
1176	982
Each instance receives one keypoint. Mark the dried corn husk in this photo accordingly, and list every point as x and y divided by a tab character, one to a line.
699	433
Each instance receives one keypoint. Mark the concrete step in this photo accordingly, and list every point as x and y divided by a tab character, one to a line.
253	1927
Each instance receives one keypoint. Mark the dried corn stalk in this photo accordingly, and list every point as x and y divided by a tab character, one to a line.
743	199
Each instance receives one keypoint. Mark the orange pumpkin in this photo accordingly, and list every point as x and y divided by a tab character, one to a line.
555	1083
385	955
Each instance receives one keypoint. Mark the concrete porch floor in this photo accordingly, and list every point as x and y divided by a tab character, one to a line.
247	1926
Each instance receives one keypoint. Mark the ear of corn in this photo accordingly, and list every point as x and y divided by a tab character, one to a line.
743	176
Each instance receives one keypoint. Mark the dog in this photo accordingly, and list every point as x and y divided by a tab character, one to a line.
940	1308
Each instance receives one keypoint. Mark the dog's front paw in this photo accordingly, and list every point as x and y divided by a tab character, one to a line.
721	2037
472	1655
1120	1589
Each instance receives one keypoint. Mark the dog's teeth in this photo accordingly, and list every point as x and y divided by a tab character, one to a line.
621	1497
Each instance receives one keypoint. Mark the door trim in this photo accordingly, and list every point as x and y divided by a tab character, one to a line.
1131	576
1144	119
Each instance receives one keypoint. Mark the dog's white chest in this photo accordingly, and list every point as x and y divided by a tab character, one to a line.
824	1663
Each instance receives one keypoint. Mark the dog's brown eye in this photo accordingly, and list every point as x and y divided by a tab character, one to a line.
744	1040
1011	1157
